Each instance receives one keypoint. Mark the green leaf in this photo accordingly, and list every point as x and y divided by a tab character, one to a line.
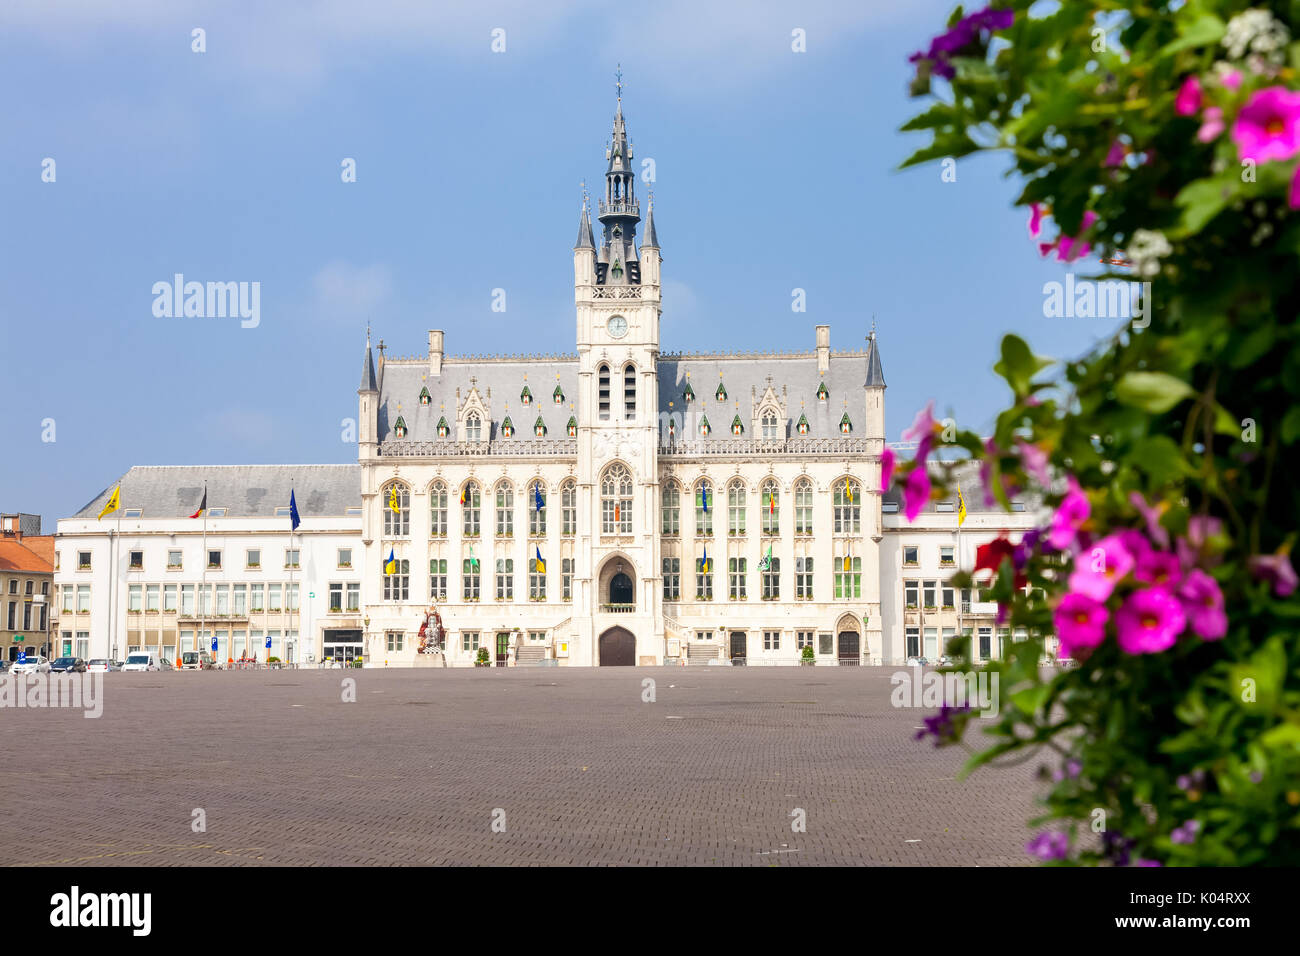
1019	364
941	114
1201	201
1202	29
1154	392
1291	425
1160	457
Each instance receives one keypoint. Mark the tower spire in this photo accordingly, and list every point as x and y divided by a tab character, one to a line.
619	212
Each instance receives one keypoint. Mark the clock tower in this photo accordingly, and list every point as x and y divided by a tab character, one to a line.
617	586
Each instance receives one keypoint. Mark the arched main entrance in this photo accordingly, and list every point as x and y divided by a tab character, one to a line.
848	642
617	648
620	589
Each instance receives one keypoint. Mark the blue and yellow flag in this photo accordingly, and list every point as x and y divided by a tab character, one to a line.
541	565
392	500
704	562
537	497
390	566
961	507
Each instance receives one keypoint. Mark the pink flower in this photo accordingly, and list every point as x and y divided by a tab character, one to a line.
1268	126
922	431
916	492
1069	248
1211	124
1135	543
1160	568
1231	79
887	462
1149	621
1203	602
1098	570
1036	212
1151	515
1275	568
1035	461
1188	100
1080	623
1070	516
1115	157
1191	550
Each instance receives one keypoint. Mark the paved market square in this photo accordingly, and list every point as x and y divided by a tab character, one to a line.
517	766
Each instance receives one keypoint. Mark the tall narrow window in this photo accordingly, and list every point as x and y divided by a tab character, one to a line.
629	393
566	579
397	587
397	523
603	397
803	507
616	500
848	507
505	579
769	502
437	579
470	505
803	579
769	425
474	427
736	568
672	509
772	580
736	509
505	510
469	577
704	509
536	581
672	579
569	508
438	510
536	505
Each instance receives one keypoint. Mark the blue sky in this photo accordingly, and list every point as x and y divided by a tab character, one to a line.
775	170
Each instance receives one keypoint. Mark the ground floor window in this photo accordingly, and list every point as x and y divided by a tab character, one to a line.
537	635
672	579
986	642
394	641
771	640
469	640
803	639
83	644
913	642
931	642
566	579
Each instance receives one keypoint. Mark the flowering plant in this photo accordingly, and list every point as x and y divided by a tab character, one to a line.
1165	139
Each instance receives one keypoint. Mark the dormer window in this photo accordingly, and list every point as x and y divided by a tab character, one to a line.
688	396
539	427
737	427
802	426
425	398
507	428
721	393
400	428
846	426
618	269
474	427
526	397
769	425
823	392
558	395
443	428
704	425
572	427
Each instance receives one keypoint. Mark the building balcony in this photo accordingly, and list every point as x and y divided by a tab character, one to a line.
619	208
765	446
447	448
618	608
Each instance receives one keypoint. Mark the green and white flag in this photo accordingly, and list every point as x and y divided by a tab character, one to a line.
766	563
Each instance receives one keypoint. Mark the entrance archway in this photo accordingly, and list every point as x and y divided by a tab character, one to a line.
617	648
848	641
620	589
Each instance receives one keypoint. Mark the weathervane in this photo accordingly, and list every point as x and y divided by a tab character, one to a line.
618	75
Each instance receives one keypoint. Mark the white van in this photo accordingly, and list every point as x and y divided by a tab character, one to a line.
141	661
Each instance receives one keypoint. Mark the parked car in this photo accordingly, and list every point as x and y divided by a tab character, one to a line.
165	664
35	664
141	661
67	665
102	665
197	661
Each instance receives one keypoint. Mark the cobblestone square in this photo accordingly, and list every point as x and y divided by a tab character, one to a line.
578	768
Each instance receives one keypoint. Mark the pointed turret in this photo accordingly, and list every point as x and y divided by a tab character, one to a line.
651	240
585	238
875	374
619	212
368	380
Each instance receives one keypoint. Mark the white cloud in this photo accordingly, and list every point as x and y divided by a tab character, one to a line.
345	293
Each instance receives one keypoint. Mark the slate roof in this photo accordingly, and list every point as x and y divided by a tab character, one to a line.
505	377
875	374
174	491
743	374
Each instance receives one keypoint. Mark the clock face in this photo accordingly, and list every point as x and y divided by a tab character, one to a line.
617	326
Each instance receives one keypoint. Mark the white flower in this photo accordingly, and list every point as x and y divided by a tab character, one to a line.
1145	250
1257	32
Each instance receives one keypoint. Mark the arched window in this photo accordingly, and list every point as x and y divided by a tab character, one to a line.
769	425
537	509
672	508
397	586
438	510
473	427
736	508
569	508
505	510
470	505
396	504
848	507
704	509
616	500
603	396
803	507
768	500
629	393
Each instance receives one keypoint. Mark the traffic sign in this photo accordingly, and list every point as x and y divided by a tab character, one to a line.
268	643
17	638
214	644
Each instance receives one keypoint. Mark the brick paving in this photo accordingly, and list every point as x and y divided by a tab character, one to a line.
585	772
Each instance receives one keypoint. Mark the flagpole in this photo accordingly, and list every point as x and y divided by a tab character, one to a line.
112	581
201	643
292	568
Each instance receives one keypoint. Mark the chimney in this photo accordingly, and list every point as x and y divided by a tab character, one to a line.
823	349
435	351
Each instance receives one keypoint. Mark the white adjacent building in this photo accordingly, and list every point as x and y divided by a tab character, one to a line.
616	504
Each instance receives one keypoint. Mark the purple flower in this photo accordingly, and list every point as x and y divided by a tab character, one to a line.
1186	833
1049	846
963	34
916	492
1098	571
1276	569
1116	847
1070	515
887	462
1035	461
1115	157
1158	567
1023	551
1080	623
1147	863
1151	515
942	725
1191	550
1149	621
1188	100
1203	602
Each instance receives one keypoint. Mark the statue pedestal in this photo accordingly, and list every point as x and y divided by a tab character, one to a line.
437	659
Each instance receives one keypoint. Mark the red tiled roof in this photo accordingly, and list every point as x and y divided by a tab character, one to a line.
27	555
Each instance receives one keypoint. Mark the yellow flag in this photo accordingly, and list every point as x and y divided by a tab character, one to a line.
111	505
392	500
848	490
961	507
